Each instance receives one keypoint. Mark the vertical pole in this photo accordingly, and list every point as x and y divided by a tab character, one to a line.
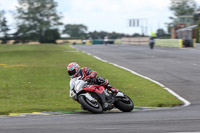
146	27
130	22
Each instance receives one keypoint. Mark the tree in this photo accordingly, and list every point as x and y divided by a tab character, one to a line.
160	32
136	35
93	35
1	19
115	35
197	32
1	14
35	18
75	30
102	34
51	36
3	27
183	7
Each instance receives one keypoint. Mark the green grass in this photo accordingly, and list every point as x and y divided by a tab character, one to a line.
41	82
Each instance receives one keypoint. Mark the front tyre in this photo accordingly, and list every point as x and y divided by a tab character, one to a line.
124	104
93	107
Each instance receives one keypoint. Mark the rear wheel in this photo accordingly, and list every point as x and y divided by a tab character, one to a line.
124	104
93	107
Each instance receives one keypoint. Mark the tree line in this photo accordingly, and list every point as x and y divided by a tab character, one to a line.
81	31
38	20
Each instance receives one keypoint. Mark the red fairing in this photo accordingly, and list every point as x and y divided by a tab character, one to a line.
94	88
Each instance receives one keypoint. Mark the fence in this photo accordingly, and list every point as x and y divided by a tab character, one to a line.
169	42
135	40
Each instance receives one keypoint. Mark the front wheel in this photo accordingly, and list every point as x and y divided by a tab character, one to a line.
124	104
93	107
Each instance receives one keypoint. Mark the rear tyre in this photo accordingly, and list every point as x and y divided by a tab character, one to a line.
125	104
93	107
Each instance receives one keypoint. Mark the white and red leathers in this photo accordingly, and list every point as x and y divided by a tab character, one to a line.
87	74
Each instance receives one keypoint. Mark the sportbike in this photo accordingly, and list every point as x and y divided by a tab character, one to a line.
96	98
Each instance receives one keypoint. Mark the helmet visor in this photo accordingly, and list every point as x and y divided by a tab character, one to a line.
71	73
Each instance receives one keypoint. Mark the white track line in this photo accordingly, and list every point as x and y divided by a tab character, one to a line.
184	132
186	102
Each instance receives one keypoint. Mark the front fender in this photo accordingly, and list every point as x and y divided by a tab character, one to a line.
89	97
120	94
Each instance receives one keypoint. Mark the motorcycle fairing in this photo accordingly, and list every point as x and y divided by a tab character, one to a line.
94	88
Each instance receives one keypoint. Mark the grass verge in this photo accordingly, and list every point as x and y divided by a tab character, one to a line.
34	78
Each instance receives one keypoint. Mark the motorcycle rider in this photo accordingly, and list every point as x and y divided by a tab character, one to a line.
87	74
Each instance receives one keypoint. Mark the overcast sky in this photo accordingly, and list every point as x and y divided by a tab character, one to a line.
108	15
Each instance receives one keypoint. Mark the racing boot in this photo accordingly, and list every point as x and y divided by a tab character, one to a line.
112	89
115	92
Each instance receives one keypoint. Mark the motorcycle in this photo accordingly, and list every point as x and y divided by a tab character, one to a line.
96	99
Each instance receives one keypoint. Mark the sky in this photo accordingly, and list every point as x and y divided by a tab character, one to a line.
108	15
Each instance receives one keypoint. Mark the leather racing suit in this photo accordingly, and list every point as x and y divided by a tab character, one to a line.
87	74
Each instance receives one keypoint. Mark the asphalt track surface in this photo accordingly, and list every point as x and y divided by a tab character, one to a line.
178	69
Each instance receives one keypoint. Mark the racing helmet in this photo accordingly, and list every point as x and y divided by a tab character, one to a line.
73	69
